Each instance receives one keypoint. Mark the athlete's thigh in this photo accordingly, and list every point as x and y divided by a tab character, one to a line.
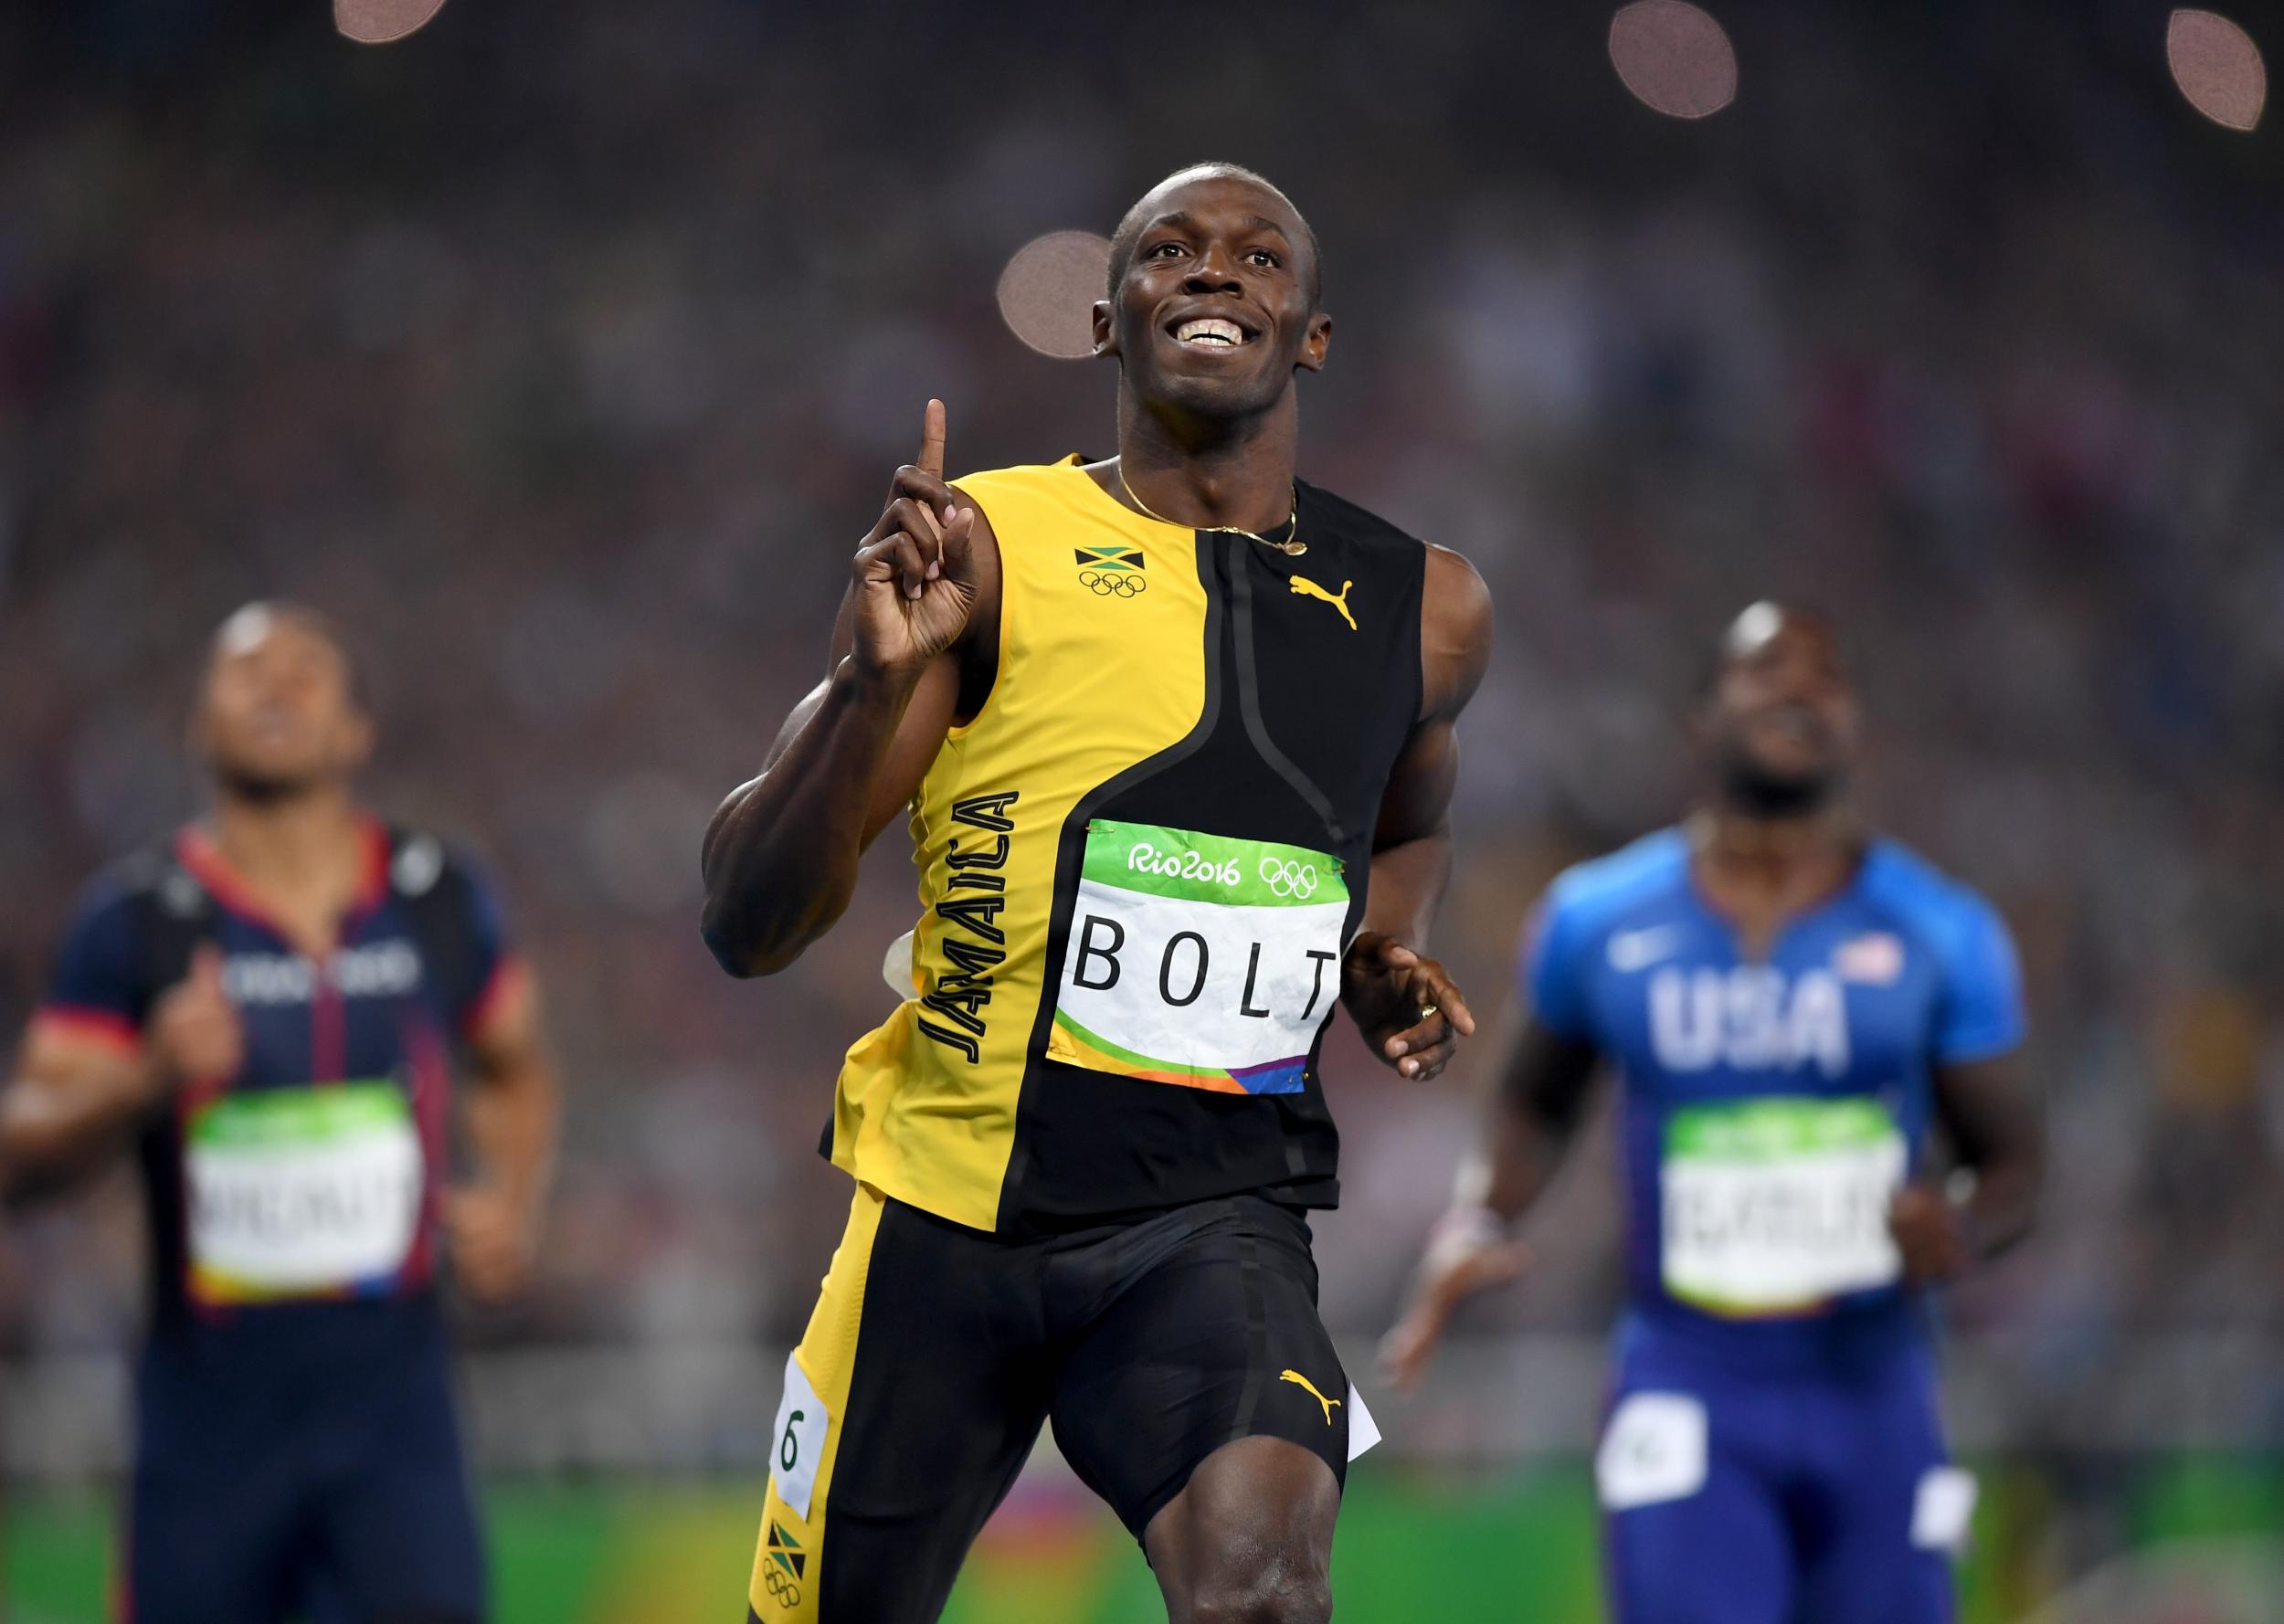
907	1410
208	1547
1891	1509
396	1538
1694	1530
1208	1335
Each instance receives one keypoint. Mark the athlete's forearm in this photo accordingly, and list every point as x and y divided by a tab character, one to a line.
1522	1152
1534	1110
1408	882
781	856
511	1126
56	1128
2005	1201
1997	1126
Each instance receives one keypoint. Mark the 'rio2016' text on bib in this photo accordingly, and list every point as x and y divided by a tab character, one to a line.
1199	959
302	1192
1779	1204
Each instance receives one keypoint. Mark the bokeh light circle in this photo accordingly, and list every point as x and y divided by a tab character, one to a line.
1674	57
382	22
2218	66
1047	291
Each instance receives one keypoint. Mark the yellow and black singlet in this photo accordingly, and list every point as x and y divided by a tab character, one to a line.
1140	865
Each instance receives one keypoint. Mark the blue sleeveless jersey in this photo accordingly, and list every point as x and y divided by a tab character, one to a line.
1771	1109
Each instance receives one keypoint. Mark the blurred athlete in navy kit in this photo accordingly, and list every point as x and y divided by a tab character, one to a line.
267	1012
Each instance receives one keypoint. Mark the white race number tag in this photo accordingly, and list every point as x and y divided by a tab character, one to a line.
301	1192
1944	1509
1199	959
1777	1205
1654	1450
798	1441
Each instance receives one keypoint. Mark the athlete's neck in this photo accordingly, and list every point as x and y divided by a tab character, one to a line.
1782	861
1210	472
304	853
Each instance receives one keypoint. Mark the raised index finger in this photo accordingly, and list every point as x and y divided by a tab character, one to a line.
932	439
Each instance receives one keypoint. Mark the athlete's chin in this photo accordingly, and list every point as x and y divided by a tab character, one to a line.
1774	788
1214	395
268	781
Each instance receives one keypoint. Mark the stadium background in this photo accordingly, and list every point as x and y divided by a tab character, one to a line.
565	348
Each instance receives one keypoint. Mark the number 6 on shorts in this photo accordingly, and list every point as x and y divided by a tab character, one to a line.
802	1423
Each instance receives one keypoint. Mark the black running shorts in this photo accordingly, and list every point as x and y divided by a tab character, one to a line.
935	1351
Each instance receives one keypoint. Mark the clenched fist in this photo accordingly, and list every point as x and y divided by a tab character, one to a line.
194	1032
915	568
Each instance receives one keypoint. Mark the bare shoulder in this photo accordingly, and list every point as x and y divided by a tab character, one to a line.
1454	632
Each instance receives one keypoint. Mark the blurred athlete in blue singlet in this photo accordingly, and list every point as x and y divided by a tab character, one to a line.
1796	1010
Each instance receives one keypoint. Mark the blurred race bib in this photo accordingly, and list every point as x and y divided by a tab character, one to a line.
1200	960
301	1192
1778	1205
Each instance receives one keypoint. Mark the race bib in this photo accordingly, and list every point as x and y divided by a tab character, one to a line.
1200	960
1653	1451
1776	1206
301	1192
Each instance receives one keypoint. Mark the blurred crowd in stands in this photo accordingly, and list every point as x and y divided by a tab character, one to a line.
565	352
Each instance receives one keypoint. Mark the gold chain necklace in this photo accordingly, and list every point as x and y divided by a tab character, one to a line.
1291	546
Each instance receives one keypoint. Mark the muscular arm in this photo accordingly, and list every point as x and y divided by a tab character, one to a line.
78	1095
1544	1082
1411	843
73	1101
1385	982
781	852
511	1116
915	636
514	1106
1992	1115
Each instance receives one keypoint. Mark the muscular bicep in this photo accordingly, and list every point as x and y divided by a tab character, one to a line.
505	1038
1417	802
58	1060
1455	652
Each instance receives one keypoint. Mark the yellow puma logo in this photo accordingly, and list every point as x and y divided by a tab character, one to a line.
1295	1377
1305	587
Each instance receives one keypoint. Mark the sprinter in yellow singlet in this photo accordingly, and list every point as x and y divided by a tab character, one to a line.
1174	734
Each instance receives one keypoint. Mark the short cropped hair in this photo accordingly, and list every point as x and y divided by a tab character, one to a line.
1129	230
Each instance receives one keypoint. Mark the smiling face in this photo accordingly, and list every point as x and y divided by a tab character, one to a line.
1781	722
277	714
1215	303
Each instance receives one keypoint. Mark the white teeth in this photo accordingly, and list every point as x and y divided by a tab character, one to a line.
1211	330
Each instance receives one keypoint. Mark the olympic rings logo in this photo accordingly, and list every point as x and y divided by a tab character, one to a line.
785	1590
1103	582
1288	877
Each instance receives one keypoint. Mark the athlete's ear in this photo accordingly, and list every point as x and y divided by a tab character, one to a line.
1317	339
1105	332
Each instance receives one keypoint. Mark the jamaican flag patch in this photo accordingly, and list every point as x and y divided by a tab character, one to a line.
1106	571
